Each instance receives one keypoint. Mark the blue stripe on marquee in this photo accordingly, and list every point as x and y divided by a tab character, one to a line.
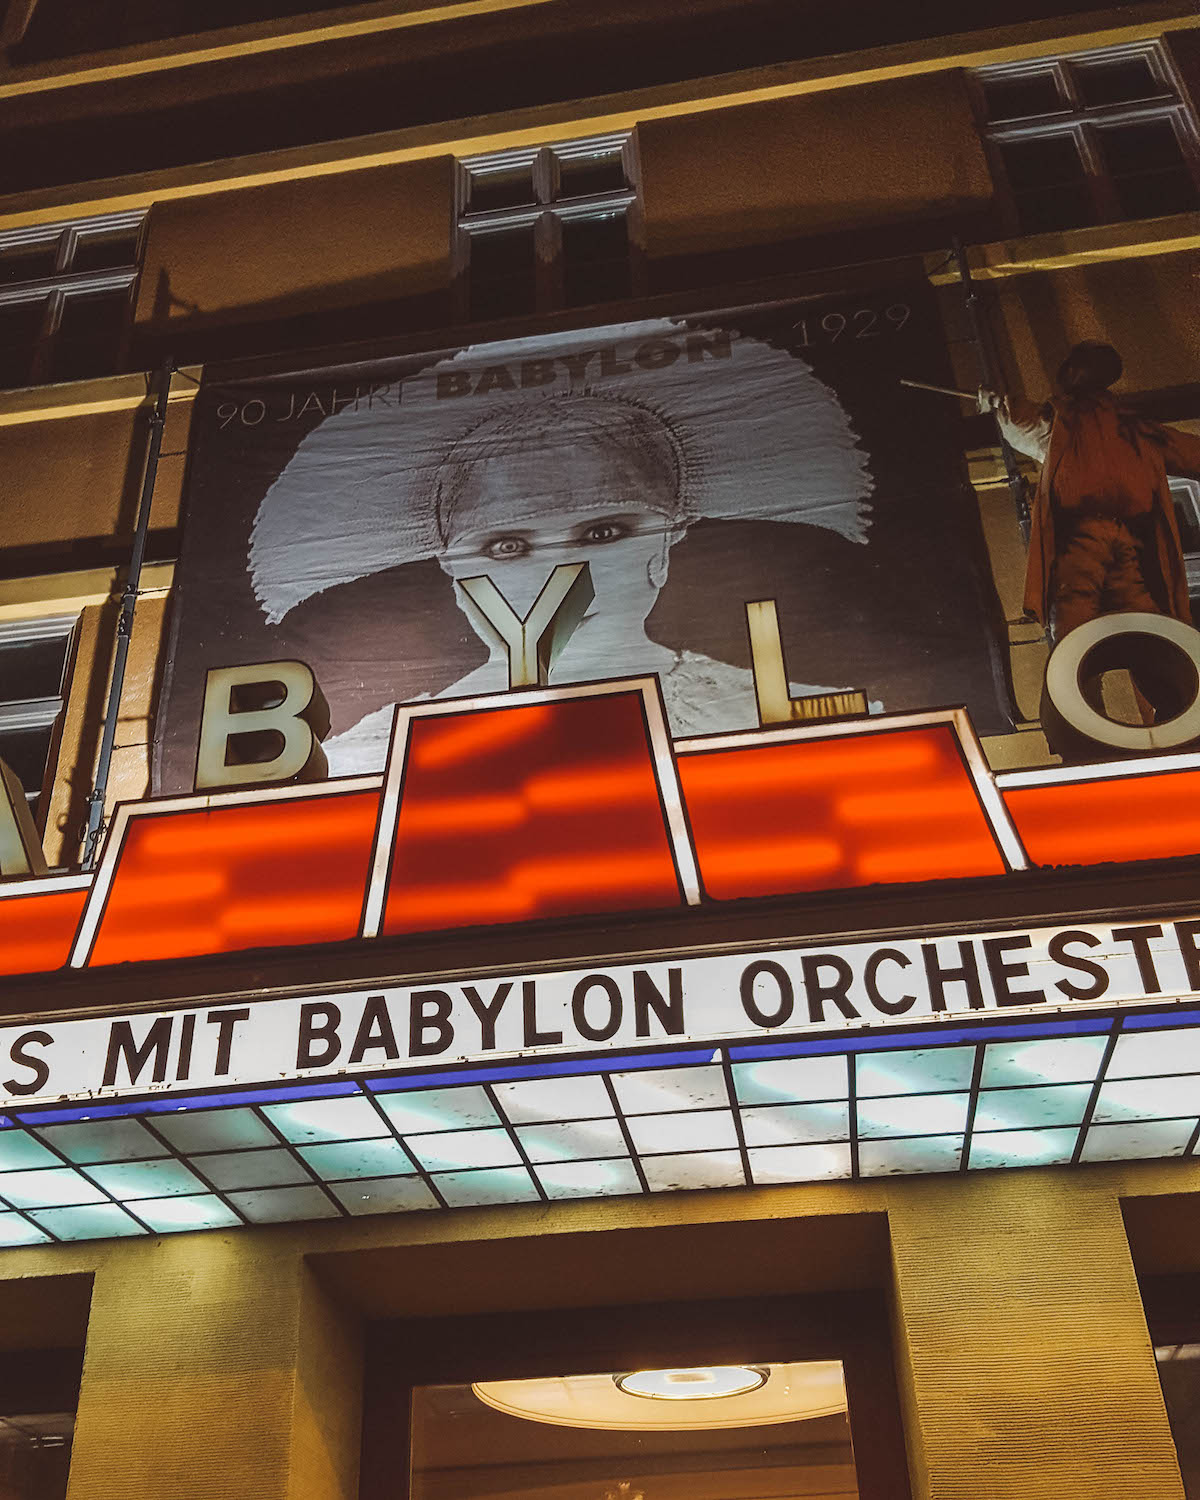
943	1036
1164	1018
172	1103
548	1068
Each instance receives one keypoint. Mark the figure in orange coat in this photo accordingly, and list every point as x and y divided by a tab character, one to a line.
1104	537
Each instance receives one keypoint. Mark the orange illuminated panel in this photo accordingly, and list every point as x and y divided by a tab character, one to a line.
542	810
824	814
1109	821
36	931
248	876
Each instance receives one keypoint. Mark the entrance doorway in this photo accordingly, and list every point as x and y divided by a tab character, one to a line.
762	1399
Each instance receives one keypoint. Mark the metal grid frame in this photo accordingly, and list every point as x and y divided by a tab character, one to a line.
1064	1090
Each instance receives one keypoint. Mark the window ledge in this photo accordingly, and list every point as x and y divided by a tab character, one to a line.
1128	240
81	398
68	593
305	29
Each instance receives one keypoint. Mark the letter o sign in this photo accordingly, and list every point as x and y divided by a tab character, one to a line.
1113	640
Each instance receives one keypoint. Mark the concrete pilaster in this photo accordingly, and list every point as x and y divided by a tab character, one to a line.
1025	1365
215	1370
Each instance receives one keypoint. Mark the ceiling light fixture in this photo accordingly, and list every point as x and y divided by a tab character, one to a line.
700	1384
677	1399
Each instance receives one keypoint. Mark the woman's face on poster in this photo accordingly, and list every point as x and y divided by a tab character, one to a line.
519	515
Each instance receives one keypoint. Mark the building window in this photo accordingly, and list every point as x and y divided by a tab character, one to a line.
1089	139
542	228
66	298
34	658
35	1455
1186	495
39	1397
779	1396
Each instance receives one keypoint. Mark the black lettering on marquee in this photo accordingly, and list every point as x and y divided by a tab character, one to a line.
1185	936
821	994
183	1058
612	1024
875	962
225	1021
1139	939
967	974
429	1010
783	983
488	1011
122	1047
534	1037
1001	971
375	1032
319	1042
668	1009
1057	949
23	1059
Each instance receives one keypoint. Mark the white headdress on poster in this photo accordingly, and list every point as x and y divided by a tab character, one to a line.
721	426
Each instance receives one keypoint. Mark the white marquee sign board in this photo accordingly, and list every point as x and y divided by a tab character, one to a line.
773	992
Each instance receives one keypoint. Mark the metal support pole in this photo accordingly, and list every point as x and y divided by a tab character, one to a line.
129	598
987	377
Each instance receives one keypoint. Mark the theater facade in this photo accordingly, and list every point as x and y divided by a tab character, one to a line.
570	924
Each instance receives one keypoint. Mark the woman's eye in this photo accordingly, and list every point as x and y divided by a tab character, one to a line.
507	546
605	531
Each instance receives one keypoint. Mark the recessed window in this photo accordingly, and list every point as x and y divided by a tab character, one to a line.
542	228
66	297
723	1432
1186	495
1171	1304
1089	139
35	1455
723	1400
34	656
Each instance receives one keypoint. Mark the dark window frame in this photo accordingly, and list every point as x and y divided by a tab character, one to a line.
1172	1306
65	287
46	712
1185	494
554	206
853	1327
1082	123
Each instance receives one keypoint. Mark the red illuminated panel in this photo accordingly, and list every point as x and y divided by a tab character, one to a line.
545	810
247	876
1110	821
36	931
864	809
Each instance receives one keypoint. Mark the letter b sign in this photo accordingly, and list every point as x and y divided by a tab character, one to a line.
261	723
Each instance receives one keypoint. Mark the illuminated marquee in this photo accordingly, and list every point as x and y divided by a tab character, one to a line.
928	1053
564	803
688	1001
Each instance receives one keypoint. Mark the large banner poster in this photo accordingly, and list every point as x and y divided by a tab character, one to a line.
694	463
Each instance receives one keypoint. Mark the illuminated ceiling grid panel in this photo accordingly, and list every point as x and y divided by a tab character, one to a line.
951	1099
